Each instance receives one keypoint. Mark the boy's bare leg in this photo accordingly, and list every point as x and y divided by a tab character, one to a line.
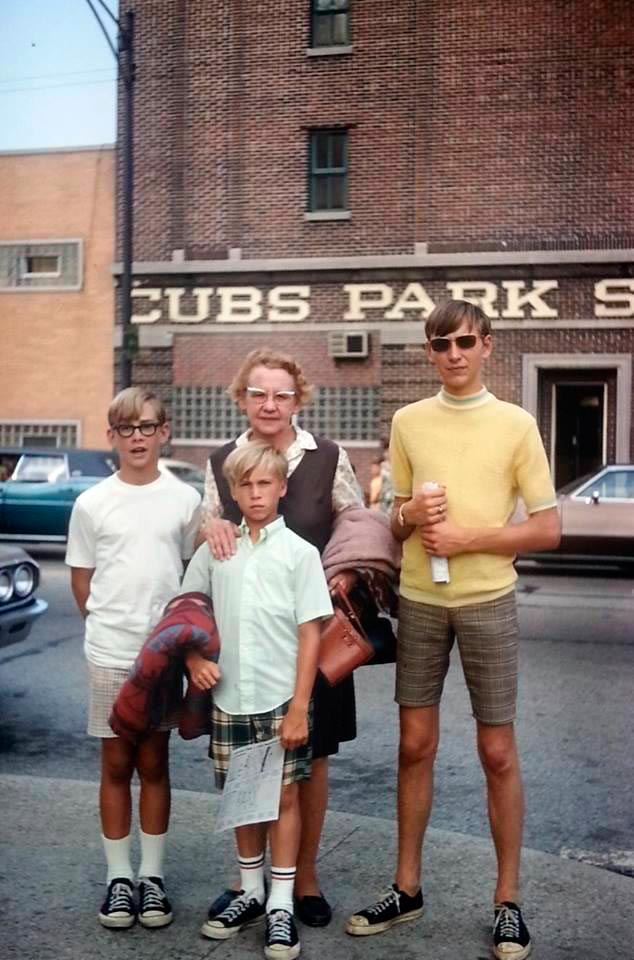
115	804
498	754
417	753
313	801
152	763
285	831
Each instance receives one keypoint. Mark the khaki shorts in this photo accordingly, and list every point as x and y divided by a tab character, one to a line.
104	684
233	730
487	636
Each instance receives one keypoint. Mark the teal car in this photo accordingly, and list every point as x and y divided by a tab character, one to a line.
37	498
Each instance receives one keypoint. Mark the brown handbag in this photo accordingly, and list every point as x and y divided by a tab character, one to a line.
344	644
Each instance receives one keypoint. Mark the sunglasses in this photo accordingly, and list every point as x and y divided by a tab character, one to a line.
443	344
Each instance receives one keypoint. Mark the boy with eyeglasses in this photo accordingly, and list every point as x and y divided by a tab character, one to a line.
127	540
481	453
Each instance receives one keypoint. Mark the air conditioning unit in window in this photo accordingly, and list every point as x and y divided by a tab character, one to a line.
348	345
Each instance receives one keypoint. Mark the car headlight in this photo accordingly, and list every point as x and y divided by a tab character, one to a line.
6	586
23	580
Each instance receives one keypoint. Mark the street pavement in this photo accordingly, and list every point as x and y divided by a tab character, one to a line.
51	885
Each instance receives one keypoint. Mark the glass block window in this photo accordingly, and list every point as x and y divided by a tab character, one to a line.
328	170
205	413
343	413
330	23
30	266
38	434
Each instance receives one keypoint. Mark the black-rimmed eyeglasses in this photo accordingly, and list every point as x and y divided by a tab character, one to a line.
147	428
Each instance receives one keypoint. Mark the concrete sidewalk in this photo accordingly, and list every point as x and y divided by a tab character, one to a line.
52	884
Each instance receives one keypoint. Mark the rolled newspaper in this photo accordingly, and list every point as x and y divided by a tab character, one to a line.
439	565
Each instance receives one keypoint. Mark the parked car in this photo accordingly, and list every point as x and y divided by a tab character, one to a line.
185	471
44	482
37	499
597	518
19	607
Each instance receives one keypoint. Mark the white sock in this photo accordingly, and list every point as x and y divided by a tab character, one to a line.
152	852
252	876
118	858
282	885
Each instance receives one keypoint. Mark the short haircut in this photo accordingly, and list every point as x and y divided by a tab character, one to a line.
266	357
128	405
248	456
448	317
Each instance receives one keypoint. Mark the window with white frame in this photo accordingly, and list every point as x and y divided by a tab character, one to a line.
27	434
41	264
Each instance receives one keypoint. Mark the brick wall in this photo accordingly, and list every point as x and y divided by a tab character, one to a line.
57	361
469	124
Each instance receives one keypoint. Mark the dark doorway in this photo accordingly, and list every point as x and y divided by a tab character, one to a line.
579	429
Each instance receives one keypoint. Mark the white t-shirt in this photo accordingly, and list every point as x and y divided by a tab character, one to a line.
135	538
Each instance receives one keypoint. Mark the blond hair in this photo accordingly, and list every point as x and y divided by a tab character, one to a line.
248	456
273	360
128	405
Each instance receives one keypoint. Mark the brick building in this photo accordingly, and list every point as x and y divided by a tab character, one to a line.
317	175
56	295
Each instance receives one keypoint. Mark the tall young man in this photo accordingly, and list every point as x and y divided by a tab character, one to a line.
483	453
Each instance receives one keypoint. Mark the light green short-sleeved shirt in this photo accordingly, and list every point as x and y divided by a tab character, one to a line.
260	595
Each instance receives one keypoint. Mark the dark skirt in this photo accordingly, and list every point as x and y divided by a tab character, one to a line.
334	716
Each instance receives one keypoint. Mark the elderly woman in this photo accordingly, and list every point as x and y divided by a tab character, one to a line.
270	388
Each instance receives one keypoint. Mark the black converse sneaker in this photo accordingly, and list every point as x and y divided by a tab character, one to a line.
242	912
155	909
395	907
281	942
118	911
511	939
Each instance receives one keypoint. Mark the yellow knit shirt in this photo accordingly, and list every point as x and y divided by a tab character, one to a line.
486	452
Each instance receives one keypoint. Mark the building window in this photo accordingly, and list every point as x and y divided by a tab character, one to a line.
55	265
343	413
329	24
25	434
41	266
205	413
328	172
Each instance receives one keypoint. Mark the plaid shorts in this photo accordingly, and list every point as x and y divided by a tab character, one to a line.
104	684
488	642
233	730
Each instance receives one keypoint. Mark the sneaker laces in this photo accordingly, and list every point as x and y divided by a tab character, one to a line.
381	905
507	922
153	896
119	898
280	925
235	909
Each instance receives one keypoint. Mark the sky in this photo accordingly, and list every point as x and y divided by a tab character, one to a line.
57	74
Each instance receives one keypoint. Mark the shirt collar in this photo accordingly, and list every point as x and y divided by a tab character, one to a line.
464	403
303	439
268	531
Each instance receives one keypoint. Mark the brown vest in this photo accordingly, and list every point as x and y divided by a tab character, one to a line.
307	504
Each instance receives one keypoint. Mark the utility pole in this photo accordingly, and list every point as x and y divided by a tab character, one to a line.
124	55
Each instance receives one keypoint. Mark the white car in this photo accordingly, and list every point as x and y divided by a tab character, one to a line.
185	471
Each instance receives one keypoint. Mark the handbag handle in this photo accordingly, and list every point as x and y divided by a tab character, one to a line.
344	602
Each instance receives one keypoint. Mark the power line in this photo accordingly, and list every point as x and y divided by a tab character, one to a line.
47	76
57	86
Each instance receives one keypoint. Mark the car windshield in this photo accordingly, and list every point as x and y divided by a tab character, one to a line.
614	484
187	474
42	468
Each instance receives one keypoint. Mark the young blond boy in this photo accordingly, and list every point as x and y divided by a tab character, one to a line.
127	539
268	600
